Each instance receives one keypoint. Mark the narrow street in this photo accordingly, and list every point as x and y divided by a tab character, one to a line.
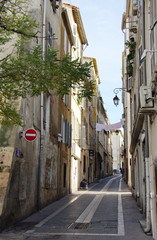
105	211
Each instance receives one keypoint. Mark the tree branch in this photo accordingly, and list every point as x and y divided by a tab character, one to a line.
2	5
17	31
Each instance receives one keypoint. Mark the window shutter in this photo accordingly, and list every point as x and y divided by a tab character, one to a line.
66	132
63	128
69	134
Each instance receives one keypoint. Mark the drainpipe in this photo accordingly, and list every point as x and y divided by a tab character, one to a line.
147	228
41	156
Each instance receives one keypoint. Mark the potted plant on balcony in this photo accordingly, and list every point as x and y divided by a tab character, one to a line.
133	29
131	45
130	57
55	4
129	69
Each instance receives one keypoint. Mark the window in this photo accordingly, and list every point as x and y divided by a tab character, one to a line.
66	100
75	33
49	35
140	81
64	174
84	164
153	11
67	45
66	131
86	131
152	46
65	41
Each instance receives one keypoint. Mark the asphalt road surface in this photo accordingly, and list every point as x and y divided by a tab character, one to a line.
106	211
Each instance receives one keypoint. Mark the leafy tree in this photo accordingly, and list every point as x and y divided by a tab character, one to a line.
24	73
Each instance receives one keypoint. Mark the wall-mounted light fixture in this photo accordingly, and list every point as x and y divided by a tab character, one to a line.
145	53
116	98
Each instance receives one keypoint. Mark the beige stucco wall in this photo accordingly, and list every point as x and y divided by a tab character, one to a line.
19	184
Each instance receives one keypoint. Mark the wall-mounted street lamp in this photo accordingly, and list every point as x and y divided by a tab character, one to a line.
116	98
145	53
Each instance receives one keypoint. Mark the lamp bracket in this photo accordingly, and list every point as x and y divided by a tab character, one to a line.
117	90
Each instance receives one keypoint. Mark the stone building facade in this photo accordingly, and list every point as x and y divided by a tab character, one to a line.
139	79
34	174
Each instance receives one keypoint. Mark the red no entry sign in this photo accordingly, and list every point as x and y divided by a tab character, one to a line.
30	134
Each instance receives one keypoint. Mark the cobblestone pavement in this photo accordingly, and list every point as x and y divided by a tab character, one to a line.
106	211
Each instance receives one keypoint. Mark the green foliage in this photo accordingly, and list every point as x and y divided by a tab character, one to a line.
5	136
131	44
130	57
133	29
15	18
129	70
25	72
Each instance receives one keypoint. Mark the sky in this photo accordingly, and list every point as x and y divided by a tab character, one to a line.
102	23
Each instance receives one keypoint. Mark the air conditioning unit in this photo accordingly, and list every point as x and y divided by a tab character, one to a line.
146	100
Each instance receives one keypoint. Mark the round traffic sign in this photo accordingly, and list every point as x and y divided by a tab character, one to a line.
30	134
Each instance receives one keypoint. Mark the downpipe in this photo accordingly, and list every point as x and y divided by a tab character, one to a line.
146	225
153	199
147	228
41	157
